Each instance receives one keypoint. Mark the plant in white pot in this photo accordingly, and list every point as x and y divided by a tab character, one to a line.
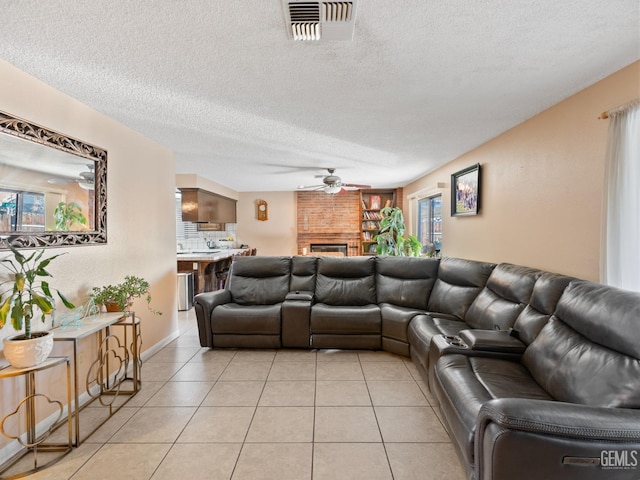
27	296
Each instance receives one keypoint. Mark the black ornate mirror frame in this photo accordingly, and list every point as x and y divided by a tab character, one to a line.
34	133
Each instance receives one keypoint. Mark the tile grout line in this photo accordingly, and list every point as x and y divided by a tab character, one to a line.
255	410
375	415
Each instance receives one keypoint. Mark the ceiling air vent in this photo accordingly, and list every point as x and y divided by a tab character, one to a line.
313	21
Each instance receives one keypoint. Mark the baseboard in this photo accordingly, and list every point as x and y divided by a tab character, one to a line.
151	351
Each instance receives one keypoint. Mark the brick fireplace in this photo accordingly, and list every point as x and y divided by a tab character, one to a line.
329	220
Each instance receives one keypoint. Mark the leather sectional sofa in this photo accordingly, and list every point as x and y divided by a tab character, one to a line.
537	374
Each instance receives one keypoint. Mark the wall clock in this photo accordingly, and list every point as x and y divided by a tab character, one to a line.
262	210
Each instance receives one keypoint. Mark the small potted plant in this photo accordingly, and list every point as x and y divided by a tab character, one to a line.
119	297
26	295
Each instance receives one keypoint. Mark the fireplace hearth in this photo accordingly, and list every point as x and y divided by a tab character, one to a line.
329	247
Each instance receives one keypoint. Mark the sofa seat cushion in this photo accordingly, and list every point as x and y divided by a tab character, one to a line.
246	319
464	383
423	327
395	320
345	320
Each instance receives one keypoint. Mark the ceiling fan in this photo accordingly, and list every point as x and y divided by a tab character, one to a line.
87	179
332	184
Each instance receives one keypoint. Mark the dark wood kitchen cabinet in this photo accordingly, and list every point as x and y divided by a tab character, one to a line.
201	206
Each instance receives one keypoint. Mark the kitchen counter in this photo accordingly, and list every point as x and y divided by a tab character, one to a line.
214	254
205	265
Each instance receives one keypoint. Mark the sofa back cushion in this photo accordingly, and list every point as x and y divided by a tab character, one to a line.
259	280
589	352
303	273
459	282
405	281
543	302
505	295
346	281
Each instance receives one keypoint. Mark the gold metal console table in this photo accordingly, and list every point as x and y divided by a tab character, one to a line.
110	369
34	442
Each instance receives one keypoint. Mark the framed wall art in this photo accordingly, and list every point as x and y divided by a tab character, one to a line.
465	191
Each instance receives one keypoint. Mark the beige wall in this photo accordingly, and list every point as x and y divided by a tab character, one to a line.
542	184
277	235
140	215
191	180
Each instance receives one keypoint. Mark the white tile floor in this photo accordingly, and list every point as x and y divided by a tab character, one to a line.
247	414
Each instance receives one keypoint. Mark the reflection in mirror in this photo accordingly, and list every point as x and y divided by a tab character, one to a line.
52	187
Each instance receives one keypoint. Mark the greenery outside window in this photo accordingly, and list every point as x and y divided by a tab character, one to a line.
430	223
22	211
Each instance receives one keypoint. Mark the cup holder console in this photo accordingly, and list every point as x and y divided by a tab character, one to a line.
455	341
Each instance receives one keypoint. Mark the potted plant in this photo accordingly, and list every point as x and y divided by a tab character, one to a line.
66	214
27	294
392	240
119	297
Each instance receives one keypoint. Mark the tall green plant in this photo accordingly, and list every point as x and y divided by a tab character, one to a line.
27	292
392	239
66	214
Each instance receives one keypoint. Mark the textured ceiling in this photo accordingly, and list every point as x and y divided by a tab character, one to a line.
221	84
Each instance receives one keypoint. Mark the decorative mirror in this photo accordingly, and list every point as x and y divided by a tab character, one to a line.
53	188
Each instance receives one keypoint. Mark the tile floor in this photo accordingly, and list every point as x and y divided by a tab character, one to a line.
256	414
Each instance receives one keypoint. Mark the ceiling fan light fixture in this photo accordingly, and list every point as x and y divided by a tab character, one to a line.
332	189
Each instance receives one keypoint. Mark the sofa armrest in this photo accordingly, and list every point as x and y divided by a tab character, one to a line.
204	303
445	316
556	441
492	341
296	318
300	295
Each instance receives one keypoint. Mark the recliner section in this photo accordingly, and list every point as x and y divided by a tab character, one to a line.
403	287
255	291
345	313
458	284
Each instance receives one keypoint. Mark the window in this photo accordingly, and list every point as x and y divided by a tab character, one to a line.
430	223
21	211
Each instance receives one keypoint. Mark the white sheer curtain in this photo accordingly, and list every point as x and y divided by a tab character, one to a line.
620	256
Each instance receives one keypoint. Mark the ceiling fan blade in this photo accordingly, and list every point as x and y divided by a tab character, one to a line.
303	187
355	185
61	181
293	168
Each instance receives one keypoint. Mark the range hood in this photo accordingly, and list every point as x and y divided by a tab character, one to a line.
201	206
